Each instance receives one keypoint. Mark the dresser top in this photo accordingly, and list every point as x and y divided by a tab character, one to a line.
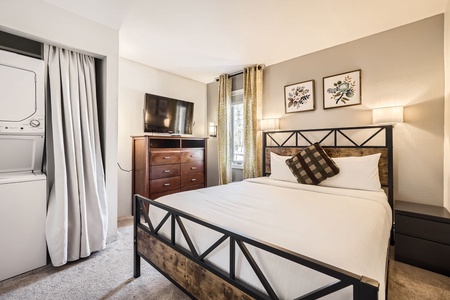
430	212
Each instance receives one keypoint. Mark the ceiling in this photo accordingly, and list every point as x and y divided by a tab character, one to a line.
201	39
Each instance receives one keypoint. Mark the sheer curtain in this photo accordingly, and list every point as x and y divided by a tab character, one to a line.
253	89
76	222
224	130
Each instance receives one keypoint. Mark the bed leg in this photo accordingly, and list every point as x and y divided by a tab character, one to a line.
136	265
368	289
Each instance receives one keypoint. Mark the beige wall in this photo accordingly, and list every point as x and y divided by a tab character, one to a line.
403	66
40	21
447	110
212	157
134	81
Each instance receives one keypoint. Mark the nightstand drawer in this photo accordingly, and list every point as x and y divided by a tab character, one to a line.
421	253
421	228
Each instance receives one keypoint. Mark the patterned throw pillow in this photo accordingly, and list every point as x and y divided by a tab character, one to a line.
312	165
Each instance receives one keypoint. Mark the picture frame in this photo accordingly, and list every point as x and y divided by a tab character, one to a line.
299	97
342	89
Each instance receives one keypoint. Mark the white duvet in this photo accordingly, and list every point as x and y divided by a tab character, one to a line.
345	228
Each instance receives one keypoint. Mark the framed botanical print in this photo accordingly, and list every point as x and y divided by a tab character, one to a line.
299	97
342	90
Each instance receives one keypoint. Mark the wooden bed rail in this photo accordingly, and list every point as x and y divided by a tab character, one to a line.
160	252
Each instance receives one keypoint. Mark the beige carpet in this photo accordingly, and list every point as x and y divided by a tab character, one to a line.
108	274
410	283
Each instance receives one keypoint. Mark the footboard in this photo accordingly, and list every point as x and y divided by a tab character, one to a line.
201	279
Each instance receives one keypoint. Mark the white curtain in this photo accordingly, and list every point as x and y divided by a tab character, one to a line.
76	222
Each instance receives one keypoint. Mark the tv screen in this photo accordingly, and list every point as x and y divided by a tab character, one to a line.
167	115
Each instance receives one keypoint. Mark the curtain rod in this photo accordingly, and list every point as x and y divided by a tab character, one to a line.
238	73
232	75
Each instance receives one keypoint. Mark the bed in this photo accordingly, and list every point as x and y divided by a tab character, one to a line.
272	238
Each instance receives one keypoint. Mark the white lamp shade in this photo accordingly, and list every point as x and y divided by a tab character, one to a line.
270	124
387	115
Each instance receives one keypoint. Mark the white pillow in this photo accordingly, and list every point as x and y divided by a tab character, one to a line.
278	168
356	172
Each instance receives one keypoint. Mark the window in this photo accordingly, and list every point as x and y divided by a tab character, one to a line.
237	128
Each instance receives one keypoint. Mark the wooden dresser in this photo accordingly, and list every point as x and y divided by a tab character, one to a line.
422	236
166	165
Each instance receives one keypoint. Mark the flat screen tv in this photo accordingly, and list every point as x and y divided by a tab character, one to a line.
167	115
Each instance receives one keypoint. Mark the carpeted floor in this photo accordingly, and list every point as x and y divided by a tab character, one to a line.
410	283
108	274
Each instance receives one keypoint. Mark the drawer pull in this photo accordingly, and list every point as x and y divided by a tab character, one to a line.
193	168
166	184
166	157
193	179
166	171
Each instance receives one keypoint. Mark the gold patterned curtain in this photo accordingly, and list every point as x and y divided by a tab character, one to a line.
224	130
253	88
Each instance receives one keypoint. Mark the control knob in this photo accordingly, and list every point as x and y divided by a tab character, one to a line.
35	123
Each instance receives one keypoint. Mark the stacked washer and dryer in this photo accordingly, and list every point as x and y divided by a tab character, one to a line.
23	191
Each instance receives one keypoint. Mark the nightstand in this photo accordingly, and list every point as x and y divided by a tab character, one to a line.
422	236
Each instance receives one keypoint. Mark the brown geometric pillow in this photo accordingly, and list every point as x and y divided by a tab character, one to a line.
312	165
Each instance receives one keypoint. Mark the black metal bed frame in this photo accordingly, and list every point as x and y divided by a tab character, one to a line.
363	288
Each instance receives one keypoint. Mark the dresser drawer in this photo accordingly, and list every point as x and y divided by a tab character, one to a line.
165	193
192	179
164	171
191	168
193	187
192	155
424	254
164	158
165	184
421	228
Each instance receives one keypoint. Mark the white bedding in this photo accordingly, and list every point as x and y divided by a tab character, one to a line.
345	228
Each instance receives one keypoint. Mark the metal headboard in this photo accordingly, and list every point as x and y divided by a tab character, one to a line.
337	142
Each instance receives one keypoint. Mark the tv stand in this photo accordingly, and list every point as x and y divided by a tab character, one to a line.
164	165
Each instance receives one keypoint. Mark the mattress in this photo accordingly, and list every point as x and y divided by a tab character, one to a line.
345	228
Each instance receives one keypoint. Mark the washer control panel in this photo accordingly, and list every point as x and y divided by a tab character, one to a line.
35	124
